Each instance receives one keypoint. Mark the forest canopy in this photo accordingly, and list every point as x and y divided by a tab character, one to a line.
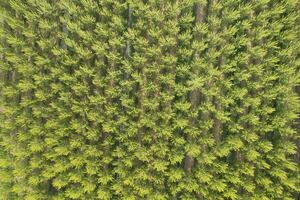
149	99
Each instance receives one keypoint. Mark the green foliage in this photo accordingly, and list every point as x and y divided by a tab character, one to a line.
117	99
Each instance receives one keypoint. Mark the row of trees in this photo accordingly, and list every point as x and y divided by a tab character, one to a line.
152	99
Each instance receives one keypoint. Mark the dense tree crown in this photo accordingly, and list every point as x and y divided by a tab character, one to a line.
149	99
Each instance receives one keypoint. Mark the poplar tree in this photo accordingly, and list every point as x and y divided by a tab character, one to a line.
152	99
